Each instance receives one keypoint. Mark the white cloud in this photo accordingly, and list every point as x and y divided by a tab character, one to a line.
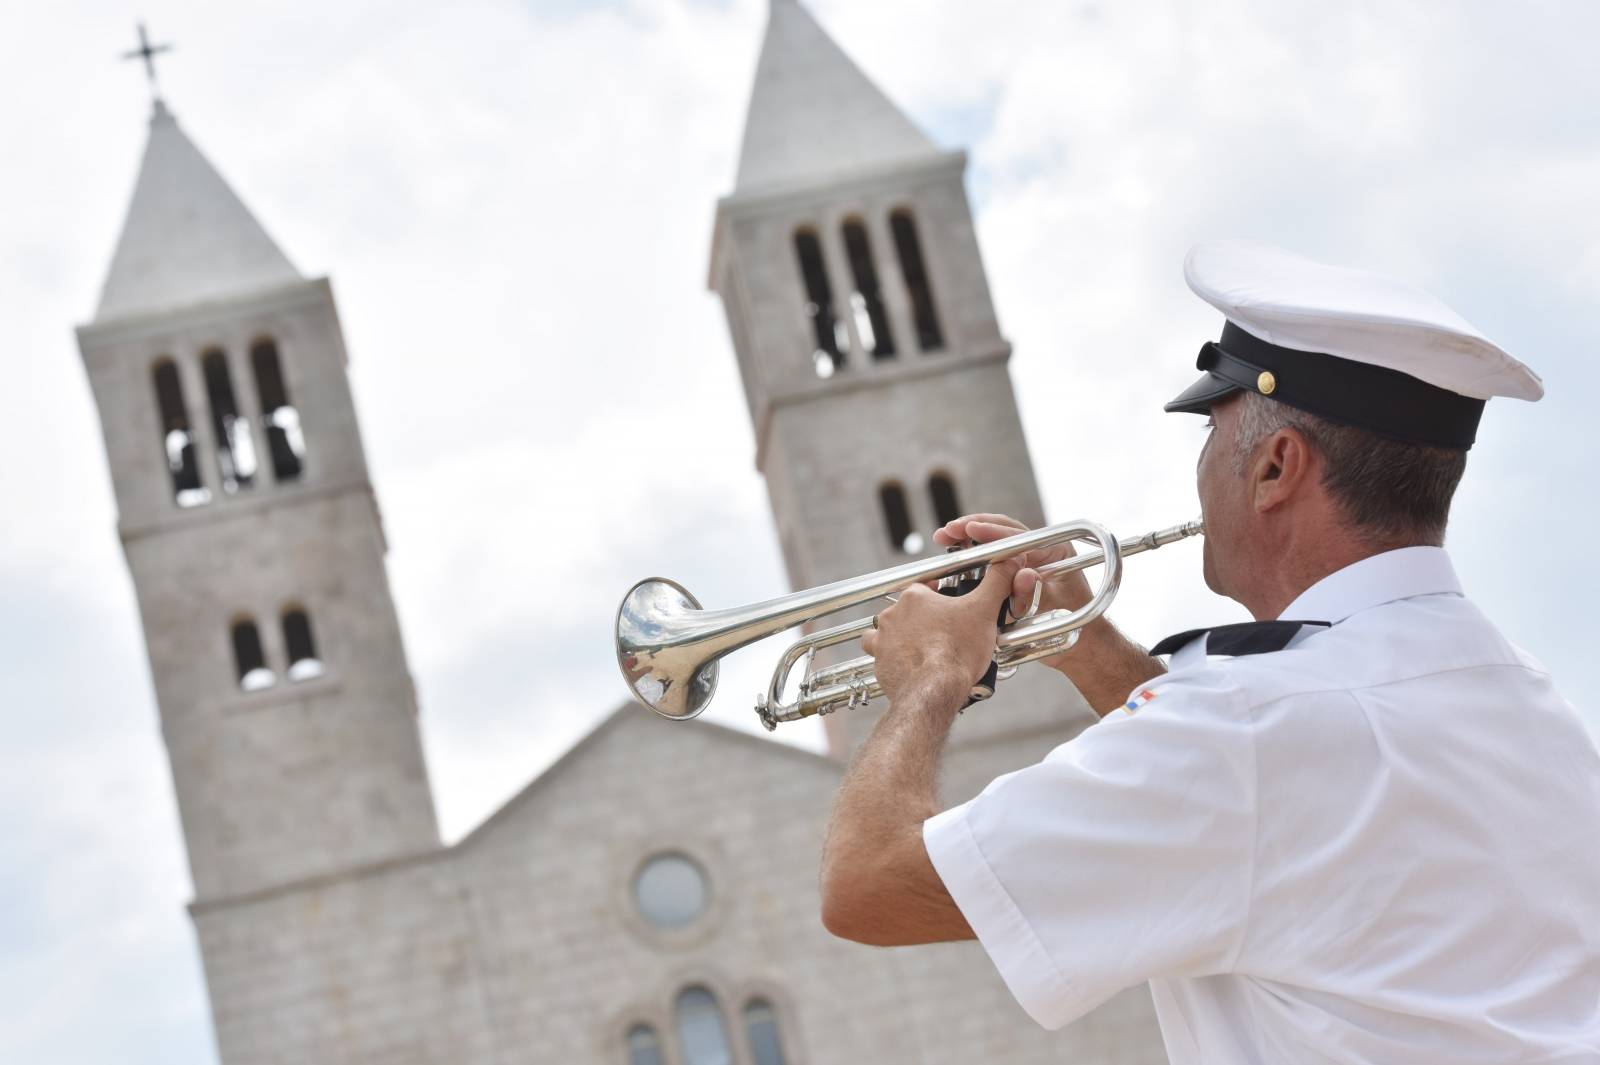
514	201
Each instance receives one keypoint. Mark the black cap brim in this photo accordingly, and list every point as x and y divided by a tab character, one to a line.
1198	397
1375	398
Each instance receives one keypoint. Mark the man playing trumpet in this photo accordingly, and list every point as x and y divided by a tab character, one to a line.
1363	828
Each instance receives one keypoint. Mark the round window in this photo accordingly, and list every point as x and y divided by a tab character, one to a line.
671	891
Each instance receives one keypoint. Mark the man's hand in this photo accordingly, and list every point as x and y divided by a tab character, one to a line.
1067	591
939	645
1105	665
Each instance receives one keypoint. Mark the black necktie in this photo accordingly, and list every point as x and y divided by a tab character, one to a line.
1245	638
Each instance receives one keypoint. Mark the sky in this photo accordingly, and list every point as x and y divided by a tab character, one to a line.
514	203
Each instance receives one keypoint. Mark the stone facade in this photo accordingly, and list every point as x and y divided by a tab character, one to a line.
521	944
333	925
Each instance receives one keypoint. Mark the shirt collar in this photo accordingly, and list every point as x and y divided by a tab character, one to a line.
1382	578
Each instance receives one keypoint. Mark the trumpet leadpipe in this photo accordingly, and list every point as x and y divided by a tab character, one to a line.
1133	545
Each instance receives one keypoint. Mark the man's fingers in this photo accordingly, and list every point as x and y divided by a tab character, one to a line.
986	532
986	527
997	583
1022	586
959	530
869	643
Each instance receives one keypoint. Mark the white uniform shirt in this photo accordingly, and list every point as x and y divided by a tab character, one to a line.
1378	845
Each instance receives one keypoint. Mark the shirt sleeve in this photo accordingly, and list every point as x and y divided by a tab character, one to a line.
1126	855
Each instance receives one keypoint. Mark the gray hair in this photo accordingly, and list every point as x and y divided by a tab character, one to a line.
1389	490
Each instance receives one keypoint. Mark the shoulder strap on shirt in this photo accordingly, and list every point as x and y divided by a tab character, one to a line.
1245	638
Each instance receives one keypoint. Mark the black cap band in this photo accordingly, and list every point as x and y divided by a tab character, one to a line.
1375	398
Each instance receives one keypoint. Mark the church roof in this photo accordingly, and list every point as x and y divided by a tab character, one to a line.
652	732
813	113
187	236
635	727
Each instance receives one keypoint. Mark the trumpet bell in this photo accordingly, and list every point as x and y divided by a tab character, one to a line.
671	678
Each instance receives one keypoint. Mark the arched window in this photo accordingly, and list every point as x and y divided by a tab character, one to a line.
303	661
915	272
866	302
761	1029
177	438
942	492
643	1046
250	664
286	446
897	518
828	355
236	451
701	1035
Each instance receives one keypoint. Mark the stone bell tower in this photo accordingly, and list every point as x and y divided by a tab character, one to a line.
873	365
254	540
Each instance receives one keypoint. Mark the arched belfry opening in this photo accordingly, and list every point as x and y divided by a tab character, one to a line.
177	437
914	269
942	495
300	644
286	447
866	301
897	518
827	330
249	660
236	451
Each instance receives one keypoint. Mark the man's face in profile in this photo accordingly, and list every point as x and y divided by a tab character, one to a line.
1224	505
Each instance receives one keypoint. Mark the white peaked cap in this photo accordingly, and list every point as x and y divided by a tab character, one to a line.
1294	302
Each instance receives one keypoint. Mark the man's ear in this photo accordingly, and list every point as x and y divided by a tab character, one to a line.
1283	469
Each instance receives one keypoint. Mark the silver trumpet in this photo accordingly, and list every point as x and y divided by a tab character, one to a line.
668	647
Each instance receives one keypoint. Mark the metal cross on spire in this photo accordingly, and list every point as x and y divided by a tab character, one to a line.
148	53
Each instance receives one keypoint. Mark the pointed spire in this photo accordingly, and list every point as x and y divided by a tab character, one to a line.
187	236
813	113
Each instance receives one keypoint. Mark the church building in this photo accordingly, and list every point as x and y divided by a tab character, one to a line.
585	920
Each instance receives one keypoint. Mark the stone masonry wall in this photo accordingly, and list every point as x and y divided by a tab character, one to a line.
522	944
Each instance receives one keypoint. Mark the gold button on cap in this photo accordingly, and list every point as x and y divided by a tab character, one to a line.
1266	383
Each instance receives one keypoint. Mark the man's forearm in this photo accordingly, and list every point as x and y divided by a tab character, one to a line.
878	885
1105	666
